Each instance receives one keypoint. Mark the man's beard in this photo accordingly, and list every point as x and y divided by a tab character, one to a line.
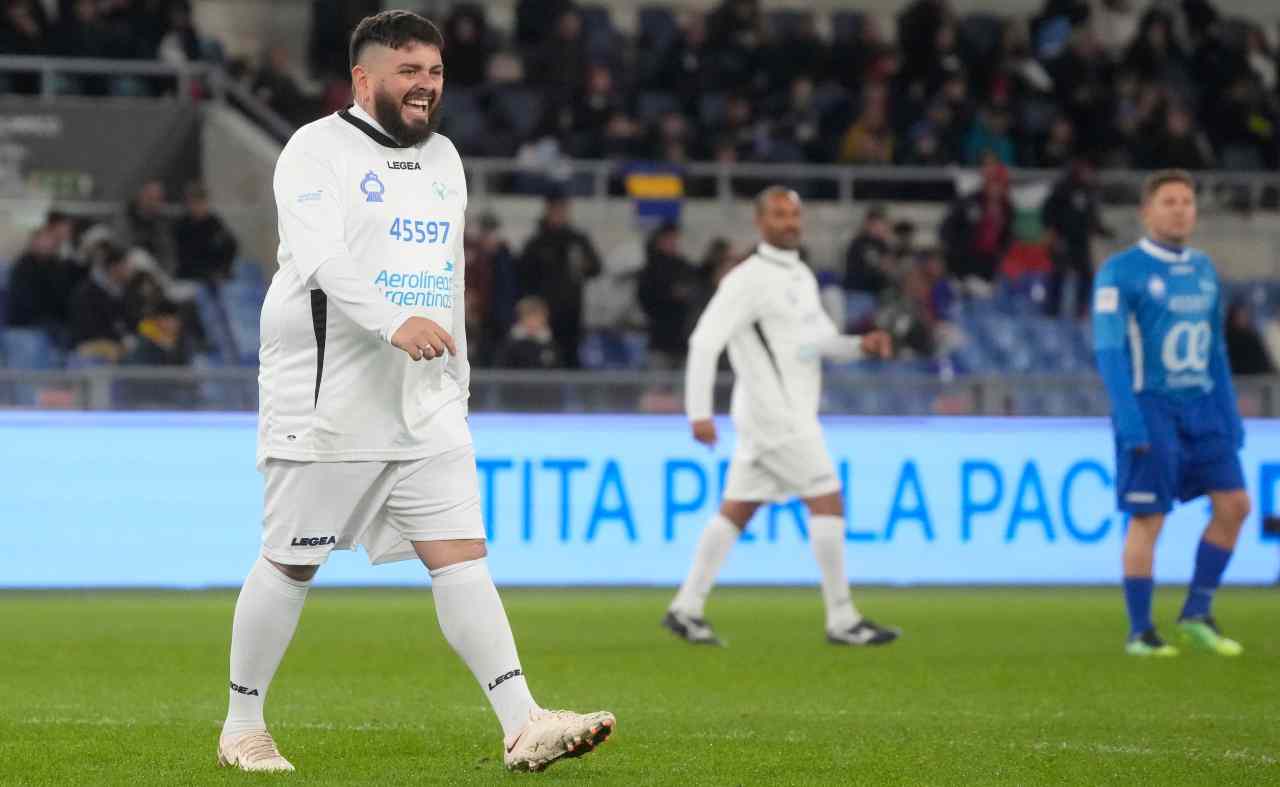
387	111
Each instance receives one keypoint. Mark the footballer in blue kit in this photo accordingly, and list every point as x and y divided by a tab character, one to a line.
1158	336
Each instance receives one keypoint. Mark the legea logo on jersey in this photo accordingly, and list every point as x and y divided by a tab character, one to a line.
418	289
372	187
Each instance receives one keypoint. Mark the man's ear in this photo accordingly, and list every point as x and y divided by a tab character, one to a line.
359	80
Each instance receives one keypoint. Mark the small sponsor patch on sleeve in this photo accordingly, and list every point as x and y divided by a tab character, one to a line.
1106	300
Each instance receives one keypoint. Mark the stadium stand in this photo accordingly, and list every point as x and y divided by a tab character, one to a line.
898	84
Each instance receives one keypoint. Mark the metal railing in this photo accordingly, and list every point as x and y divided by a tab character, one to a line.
496	390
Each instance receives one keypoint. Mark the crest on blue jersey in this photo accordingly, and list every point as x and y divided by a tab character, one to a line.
372	188
1155	286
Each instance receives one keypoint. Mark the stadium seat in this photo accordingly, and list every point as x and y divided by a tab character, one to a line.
846	26
657	27
858	307
653	103
241	302
30	348
599	32
521	107
612	350
216	326
788	22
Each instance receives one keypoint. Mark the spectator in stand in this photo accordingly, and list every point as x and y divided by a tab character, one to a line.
1174	143
85	31
40	284
536	21
687	66
1071	218
735	33
146	225
870	264
206	248
1246	350
718	259
277	87
869	140
466	33
24	30
1059	146
1155	55
798	53
978	229
530	345
666	291
177	40
1080	77
797	132
596	124
556	264
158	339
561	59
1115	25
907	315
99	318
1243	124
491	284
990	134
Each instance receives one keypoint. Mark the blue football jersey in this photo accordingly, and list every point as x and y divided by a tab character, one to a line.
1158	329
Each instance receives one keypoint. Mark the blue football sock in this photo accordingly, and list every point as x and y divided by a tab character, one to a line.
1137	598
1211	561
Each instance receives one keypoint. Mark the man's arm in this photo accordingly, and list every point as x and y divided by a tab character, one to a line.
1224	391
1110	331
312	228
459	365
732	306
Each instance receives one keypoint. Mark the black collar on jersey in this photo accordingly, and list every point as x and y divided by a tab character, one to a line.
370	131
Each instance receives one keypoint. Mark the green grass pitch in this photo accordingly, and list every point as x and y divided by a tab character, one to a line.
988	686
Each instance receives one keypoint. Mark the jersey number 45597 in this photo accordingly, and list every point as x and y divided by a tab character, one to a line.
419	231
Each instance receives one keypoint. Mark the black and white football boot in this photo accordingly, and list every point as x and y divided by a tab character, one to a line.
865	632
697	631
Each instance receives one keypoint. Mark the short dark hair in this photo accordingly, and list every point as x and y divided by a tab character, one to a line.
776	190
393	29
1163	177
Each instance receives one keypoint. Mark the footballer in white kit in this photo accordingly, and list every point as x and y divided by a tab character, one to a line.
768	313
362	435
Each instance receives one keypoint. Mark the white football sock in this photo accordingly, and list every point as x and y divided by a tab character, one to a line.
717	539
826	536
266	616
475	625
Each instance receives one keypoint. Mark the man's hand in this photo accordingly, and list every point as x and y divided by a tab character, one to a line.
877	344
704	431
423	339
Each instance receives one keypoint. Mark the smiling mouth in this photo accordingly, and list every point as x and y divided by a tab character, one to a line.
419	105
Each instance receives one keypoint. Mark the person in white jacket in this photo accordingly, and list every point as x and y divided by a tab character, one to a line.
768	313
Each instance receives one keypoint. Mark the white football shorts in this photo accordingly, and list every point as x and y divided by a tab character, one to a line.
798	467
313	508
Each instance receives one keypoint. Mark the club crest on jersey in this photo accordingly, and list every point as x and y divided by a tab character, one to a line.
1155	286
372	187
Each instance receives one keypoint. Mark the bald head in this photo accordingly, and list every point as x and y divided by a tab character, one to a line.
778	217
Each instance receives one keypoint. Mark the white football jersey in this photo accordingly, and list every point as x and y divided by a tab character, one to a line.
370	234
768	311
